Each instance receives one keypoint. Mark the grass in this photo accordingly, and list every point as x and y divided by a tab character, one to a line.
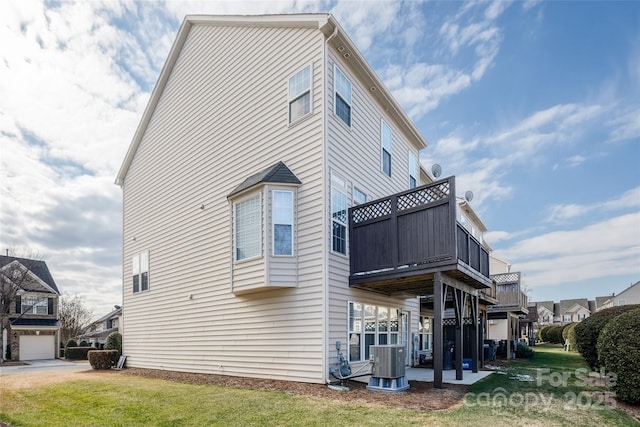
558	395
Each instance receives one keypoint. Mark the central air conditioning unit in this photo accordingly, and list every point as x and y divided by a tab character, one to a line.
388	371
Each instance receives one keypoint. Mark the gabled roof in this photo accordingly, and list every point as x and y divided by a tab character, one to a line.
545	304
627	290
278	173
567	305
115	313
38	269
324	22
601	301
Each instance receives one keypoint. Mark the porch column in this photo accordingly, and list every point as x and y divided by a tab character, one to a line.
459	297
475	334
437	330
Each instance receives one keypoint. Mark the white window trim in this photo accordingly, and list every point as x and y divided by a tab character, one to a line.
273	224
297	96
414	169
234	227
338	184
139	258
355	192
336	93
389	149
34	302
376	332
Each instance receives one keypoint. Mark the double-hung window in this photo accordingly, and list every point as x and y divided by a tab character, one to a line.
385	143
342	96
413	170
300	94
338	216
248	227
140	267
282	222
34	305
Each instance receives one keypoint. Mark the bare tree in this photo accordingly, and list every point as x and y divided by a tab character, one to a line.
15	274
74	317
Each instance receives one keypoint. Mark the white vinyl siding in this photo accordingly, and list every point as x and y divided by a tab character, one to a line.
204	137
300	100
354	154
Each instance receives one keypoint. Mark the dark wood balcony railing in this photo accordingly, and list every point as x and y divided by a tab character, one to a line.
414	232
509	294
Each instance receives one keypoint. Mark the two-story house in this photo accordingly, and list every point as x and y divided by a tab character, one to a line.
275	212
512	306
30	309
100	329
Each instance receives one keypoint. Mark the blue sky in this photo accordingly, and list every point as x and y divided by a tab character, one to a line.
534	106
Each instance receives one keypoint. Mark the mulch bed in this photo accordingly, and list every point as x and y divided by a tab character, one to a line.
420	396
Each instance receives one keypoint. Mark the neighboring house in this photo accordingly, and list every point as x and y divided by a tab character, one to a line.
276	215
33	314
573	310
512	305
631	295
545	311
99	330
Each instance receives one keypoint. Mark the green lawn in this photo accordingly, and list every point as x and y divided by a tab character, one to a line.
554	397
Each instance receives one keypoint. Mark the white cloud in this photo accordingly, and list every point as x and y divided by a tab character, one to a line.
561	213
625	126
610	247
576	160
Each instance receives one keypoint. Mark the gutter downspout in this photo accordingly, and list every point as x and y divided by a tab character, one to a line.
325	177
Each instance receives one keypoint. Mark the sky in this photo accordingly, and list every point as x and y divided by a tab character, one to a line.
532	105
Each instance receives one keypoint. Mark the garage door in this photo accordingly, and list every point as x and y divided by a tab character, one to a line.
37	347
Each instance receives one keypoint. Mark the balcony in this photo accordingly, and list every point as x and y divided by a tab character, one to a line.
399	242
509	294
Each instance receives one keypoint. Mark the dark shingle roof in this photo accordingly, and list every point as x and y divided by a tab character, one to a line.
278	173
39	268
34	322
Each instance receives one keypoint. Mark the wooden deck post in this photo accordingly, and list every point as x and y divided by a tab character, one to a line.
437	330
459	301
475	334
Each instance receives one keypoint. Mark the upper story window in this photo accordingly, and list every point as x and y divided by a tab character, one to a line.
300	94
343	96
248	227
359	197
385	142
338	216
140	269
413	170
34	305
282	222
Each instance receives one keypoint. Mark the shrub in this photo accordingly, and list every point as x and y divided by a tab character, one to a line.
103	359
544	333
554	335
619	352
523	351
571	335
114	342
77	353
565	331
72	343
588	330
83	343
